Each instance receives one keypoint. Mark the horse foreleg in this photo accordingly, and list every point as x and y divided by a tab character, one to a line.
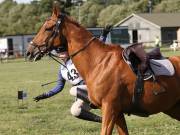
174	112
109	116
121	125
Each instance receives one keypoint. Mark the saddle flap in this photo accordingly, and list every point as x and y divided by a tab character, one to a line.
126	58
162	67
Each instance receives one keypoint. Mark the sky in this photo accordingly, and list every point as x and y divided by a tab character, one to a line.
23	1
20	1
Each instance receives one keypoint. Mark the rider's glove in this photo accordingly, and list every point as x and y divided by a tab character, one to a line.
106	30
40	97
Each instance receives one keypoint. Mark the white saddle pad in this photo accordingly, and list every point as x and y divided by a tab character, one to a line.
162	67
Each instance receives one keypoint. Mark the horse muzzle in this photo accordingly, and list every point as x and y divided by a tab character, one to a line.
35	53
34	56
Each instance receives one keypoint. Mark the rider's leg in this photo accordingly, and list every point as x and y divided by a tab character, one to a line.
81	109
80	92
73	90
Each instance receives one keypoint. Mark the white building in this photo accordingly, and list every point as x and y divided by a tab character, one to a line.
146	27
15	43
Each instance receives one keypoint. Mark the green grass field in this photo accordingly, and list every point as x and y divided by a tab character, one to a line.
52	116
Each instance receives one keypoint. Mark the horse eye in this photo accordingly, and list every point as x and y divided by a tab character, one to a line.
48	29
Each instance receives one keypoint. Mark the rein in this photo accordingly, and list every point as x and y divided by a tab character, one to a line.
83	48
72	55
54	58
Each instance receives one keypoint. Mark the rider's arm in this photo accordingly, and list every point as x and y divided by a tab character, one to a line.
105	32
58	88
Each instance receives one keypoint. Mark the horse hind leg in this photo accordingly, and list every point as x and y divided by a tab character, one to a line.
110	114
174	112
121	125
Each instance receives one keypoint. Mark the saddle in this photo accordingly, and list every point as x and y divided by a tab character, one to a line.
157	65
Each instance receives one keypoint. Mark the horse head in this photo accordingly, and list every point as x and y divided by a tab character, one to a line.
49	36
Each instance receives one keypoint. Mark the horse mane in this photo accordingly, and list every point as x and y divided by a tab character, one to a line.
73	21
109	46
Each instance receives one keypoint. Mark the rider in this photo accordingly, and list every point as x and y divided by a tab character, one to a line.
68	72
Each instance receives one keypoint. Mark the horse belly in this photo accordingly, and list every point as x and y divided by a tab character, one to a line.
162	96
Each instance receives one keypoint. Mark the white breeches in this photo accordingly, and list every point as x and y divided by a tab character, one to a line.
73	90
79	104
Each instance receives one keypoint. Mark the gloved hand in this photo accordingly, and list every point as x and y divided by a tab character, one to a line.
40	97
106	30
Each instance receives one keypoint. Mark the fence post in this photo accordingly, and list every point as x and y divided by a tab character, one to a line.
1	58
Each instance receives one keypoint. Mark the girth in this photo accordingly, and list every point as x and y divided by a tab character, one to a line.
137	95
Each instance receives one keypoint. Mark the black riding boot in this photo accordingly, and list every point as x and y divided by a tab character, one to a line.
83	95
85	115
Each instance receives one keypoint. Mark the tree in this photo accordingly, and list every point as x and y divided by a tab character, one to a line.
116	1
88	13
5	6
45	6
112	14
168	6
139	7
27	18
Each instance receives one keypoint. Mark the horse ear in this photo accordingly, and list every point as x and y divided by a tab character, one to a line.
56	8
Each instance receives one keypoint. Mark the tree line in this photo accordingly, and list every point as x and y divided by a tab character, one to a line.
27	18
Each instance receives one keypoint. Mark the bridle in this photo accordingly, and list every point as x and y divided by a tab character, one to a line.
48	44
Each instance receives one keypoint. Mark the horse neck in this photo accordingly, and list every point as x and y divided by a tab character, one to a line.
77	38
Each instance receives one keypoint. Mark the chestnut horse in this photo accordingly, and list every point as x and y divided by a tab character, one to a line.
109	79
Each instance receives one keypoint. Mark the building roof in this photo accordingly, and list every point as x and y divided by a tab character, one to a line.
159	19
